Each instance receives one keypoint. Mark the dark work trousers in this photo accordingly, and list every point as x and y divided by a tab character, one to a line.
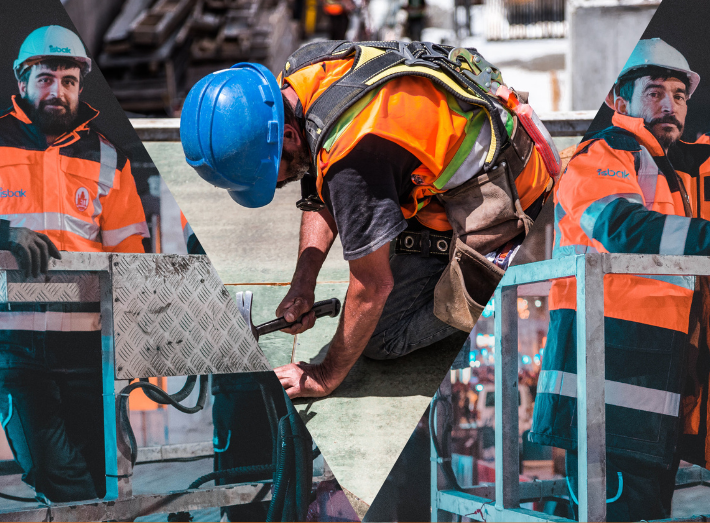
635	490
407	322
242	431
52	411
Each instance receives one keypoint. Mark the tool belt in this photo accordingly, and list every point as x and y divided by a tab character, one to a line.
426	242
485	213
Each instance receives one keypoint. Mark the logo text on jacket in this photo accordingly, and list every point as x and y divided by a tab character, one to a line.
7	193
610	172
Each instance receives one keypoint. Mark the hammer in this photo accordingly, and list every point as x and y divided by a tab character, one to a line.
329	307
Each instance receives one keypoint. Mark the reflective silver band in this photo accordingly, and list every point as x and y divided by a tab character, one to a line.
675	232
54	221
113	237
647	177
109	162
591	214
51	321
615	393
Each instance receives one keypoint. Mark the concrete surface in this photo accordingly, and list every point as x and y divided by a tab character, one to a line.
363	427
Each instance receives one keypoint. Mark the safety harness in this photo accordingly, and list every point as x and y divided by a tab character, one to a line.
461	72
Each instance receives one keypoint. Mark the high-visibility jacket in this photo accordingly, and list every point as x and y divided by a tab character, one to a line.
621	194
412	112
80	192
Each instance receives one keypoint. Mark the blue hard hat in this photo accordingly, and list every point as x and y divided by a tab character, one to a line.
232	128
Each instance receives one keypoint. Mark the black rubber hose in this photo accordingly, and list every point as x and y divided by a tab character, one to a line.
283	471
303	460
232	473
126	419
180	395
289	512
18	498
273	420
444	465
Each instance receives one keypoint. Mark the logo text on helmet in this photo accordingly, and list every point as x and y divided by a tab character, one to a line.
610	172
81	198
54	49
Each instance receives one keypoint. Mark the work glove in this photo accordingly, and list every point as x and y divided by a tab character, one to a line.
31	249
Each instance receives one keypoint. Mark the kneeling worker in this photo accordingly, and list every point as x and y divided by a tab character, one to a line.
392	142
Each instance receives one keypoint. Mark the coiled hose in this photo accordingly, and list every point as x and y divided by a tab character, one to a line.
165	399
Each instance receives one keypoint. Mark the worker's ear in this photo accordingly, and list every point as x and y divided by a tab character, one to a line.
292	138
22	87
621	106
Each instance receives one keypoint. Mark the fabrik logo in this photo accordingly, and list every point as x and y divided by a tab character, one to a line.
81	199
54	49
609	172
12	194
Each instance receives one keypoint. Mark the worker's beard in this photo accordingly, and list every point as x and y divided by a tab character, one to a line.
665	138
299	163
49	122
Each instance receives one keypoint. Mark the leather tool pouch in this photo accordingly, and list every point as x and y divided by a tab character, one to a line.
465	286
485	213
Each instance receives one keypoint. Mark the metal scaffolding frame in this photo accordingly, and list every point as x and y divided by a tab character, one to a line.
72	279
502	503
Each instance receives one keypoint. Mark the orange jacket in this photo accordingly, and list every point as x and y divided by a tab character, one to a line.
601	174
429	123
79	191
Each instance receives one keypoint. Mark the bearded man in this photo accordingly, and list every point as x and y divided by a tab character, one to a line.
629	189
64	187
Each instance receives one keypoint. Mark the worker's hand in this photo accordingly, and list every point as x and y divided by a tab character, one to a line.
305	380
298	301
32	250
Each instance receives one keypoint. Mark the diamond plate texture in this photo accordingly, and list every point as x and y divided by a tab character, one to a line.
57	286
173	317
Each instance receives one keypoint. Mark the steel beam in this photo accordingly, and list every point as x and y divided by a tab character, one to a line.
506	398
179	451
481	509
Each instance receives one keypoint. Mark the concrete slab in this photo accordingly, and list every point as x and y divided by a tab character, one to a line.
362	428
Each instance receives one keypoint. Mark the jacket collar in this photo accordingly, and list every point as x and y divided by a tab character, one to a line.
86	115
638	128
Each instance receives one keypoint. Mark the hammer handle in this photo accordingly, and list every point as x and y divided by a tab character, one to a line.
329	307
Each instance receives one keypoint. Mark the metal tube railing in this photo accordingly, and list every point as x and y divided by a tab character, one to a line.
589	271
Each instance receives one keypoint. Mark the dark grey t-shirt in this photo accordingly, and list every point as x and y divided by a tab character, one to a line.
363	192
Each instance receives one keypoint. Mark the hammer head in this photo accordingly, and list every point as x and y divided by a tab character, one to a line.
244	300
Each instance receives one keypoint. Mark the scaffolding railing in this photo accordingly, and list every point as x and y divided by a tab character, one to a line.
502	503
524	19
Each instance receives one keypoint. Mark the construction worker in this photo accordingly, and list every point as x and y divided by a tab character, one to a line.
65	187
626	190
375	178
338	13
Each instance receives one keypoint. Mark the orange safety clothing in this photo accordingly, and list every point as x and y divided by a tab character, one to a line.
333	7
428	122
79	190
620	193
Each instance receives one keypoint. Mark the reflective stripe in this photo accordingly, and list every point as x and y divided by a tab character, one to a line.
647	177
675	232
686	282
616	393
54	221
215	442
109	161
3	420
619	490
51	321
114	237
478	130
589	218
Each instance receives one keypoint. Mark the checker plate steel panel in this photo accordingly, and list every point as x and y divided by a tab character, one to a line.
174	317
57	286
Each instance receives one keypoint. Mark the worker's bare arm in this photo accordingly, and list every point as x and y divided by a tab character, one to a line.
371	282
318	232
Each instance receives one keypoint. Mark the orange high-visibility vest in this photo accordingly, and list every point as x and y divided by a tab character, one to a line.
426	121
79	191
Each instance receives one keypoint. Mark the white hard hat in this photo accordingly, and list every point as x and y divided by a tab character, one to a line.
51	41
654	52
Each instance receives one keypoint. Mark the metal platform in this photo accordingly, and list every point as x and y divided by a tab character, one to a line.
502	502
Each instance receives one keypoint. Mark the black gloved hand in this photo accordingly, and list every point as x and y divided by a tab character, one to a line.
31	250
